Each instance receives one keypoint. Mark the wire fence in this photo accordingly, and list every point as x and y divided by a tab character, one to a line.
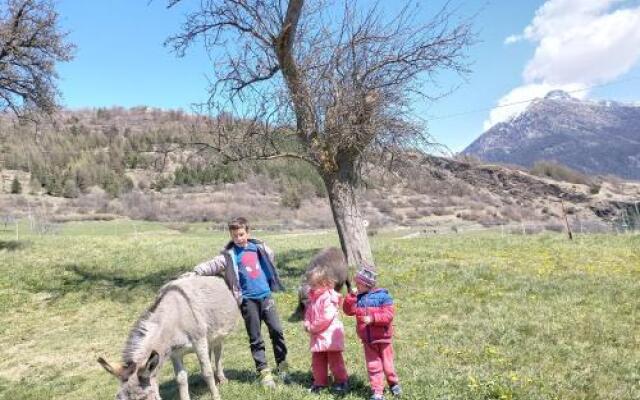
628	221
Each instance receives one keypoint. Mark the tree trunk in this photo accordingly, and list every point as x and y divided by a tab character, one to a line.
347	215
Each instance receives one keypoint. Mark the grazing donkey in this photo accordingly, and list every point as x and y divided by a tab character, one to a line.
189	314
331	258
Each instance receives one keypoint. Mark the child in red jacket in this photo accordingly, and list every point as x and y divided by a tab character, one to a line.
374	311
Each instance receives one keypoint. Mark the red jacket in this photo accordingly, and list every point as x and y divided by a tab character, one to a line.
377	304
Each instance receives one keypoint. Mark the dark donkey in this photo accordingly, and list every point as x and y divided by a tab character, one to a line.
331	258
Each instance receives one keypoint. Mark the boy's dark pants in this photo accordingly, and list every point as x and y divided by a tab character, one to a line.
254	311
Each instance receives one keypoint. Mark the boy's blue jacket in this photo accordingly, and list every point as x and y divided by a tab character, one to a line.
225	264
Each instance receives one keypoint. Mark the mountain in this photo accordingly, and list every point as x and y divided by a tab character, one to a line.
591	137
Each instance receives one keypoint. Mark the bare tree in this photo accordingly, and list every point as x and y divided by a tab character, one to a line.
338	77
31	42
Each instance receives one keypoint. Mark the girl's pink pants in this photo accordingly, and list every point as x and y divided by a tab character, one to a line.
333	359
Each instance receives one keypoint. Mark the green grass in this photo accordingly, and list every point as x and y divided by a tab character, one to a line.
479	316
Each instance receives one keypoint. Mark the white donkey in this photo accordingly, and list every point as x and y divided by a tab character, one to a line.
189	314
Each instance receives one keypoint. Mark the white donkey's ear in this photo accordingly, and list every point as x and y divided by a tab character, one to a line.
118	370
112	369
150	366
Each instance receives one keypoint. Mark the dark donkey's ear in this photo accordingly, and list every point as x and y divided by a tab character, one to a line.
120	371
150	366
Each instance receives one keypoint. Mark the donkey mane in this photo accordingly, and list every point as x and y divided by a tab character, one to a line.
143	326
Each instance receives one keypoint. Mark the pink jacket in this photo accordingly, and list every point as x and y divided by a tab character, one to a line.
322	320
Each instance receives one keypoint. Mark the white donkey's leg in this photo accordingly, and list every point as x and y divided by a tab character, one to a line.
181	377
217	360
201	347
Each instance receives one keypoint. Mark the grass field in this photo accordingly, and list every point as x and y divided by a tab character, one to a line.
479	316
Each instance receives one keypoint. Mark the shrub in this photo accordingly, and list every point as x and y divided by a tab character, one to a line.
16	187
210	174
70	190
554	227
160	183
559	172
413	215
440	211
290	198
511	213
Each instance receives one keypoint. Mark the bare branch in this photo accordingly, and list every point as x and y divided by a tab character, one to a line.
30	45
344	86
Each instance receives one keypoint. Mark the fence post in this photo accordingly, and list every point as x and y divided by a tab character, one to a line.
566	220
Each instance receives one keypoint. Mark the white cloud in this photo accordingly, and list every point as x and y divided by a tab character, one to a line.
594	52
580	43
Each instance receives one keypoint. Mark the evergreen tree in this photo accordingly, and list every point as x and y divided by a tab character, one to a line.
16	187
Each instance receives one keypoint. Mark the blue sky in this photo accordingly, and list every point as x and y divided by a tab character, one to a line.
569	44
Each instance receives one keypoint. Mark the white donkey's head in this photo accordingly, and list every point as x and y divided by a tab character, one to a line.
136	383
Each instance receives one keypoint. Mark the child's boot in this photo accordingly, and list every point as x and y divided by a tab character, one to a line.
282	370
316	388
266	379
396	390
341	389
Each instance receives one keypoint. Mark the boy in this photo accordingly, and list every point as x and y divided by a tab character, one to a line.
248	268
374	311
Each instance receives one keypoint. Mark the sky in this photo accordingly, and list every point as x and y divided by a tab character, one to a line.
525	48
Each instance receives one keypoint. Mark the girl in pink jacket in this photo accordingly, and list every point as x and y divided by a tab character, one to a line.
322	322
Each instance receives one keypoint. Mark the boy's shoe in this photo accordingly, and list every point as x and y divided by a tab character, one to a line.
282	370
341	388
316	388
376	397
266	379
396	390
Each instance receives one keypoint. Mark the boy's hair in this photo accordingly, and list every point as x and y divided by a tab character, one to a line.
238	223
320	277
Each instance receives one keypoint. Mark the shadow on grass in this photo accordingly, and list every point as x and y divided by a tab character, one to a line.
96	284
198	387
356	385
13	245
123	286
292	264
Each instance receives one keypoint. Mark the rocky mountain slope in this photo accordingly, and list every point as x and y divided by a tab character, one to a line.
591	137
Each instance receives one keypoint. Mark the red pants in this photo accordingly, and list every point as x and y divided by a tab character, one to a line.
380	363
319	362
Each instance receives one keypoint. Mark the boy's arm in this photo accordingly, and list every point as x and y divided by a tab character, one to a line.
214	266
270	254
383	315
349	305
324	320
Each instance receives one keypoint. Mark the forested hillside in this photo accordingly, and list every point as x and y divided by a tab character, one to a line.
160	165
121	149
